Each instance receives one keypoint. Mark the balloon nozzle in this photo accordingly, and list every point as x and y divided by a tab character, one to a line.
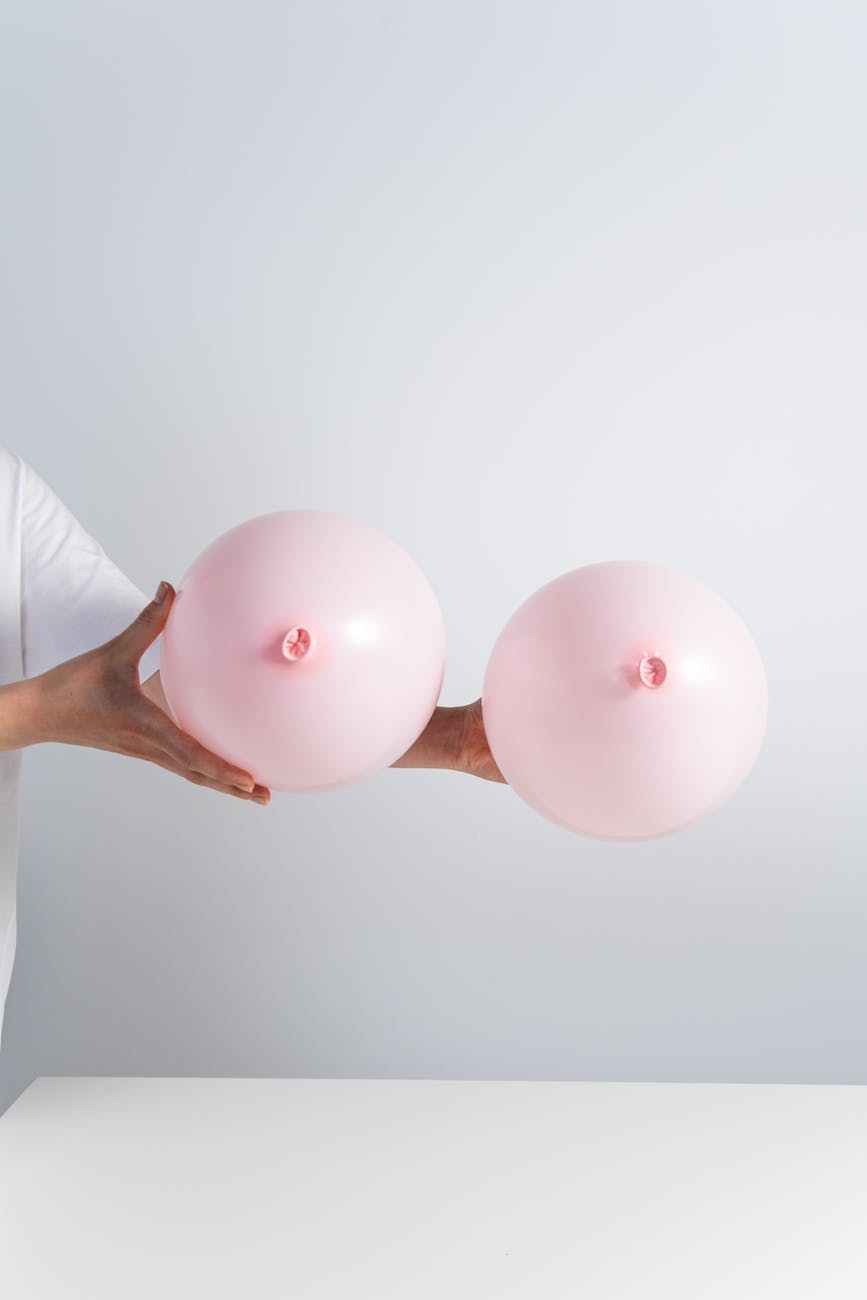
296	643
652	672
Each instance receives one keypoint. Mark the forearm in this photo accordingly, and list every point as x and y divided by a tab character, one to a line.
440	744
24	710
21	720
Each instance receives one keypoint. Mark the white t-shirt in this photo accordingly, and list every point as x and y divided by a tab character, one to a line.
60	595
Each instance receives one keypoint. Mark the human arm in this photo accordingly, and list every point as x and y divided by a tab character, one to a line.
19	715
454	738
87	645
95	700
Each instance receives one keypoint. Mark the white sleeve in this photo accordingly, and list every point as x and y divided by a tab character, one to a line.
73	598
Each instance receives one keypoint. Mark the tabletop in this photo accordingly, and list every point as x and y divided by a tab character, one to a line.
315	1188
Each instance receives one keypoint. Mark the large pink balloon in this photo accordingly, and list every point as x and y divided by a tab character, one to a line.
625	701
305	647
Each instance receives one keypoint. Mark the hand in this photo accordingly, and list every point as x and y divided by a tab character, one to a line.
454	738
96	700
476	756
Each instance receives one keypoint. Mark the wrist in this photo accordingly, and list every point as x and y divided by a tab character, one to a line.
22	714
440	744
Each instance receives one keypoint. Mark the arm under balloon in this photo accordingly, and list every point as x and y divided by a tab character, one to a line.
454	738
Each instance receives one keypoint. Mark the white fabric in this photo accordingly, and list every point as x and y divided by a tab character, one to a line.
60	595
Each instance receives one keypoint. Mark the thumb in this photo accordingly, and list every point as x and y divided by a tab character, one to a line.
150	622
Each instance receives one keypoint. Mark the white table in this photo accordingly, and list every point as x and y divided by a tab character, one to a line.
259	1188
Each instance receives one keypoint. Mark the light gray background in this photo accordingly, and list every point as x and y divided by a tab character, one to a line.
527	287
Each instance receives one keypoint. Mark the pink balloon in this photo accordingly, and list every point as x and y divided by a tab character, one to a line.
625	701
304	647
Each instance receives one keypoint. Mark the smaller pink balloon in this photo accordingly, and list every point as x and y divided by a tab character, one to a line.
625	701
306	648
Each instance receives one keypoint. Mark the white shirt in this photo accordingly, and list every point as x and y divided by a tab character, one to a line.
60	595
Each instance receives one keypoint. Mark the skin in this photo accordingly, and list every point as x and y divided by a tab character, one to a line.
95	700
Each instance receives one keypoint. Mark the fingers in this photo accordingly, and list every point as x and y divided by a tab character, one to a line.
259	794
144	629
187	753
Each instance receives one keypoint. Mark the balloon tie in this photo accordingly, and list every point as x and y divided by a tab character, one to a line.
296	643
652	671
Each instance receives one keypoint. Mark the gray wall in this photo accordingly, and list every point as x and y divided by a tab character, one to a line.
527	287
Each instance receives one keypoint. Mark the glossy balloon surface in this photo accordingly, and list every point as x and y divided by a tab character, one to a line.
625	700
305	647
